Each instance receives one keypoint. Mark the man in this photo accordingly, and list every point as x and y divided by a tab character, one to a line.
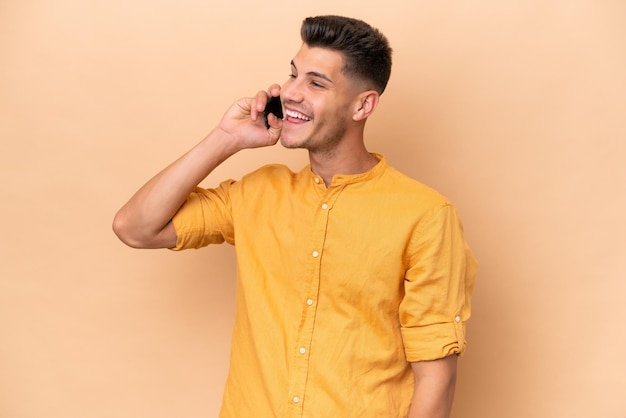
354	281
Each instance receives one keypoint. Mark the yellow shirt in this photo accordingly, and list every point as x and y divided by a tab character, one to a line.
338	288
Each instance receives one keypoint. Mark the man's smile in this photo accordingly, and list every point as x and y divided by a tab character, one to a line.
294	116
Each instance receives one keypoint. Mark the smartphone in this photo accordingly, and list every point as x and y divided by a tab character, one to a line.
274	106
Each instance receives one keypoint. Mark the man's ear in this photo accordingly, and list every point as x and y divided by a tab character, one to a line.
365	105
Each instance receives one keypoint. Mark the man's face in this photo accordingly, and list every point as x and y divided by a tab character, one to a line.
317	100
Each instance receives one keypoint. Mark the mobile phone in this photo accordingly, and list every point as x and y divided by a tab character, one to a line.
274	106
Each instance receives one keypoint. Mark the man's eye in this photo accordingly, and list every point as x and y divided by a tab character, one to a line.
292	76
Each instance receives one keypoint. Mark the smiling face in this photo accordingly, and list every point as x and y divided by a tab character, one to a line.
318	101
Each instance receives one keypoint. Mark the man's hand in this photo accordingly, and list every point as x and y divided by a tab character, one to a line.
243	122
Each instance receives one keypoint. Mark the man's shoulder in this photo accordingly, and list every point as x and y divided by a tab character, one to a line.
268	177
401	184
269	171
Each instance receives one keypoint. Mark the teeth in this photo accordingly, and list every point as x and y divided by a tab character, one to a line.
296	115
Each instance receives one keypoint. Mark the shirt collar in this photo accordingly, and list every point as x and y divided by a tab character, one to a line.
344	179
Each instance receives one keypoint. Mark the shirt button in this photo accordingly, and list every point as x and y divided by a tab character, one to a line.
315	254
302	350
317	180
296	399
324	206
309	302
457	318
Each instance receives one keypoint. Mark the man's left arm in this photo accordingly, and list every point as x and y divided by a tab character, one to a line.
435	381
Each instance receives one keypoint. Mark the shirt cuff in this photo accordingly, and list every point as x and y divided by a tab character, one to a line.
432	342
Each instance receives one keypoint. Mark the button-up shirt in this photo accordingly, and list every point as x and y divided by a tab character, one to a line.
339	288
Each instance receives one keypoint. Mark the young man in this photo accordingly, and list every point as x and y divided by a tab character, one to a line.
354	281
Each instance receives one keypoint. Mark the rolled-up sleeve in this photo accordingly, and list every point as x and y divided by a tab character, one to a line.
205	218
438	288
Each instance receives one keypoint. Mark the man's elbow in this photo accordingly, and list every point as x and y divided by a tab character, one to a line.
124	231
137	236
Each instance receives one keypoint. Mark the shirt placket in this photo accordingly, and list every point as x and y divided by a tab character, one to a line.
299	377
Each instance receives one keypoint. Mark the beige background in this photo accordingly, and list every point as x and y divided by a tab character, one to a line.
513	109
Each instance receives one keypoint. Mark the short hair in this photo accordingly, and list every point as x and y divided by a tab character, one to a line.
366	51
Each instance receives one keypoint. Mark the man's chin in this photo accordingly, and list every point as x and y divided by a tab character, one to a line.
290	143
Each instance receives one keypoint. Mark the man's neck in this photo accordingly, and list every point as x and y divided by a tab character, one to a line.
328	164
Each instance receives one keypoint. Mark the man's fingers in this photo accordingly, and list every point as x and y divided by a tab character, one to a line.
258	104
260	100
276	126
274	90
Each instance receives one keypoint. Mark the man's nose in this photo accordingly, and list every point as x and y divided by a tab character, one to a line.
292	92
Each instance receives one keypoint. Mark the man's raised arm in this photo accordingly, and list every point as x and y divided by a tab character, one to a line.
145	221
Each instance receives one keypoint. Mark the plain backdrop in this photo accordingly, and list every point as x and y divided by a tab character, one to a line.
514	110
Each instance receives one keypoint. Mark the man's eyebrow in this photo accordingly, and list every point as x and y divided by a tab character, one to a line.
314	73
